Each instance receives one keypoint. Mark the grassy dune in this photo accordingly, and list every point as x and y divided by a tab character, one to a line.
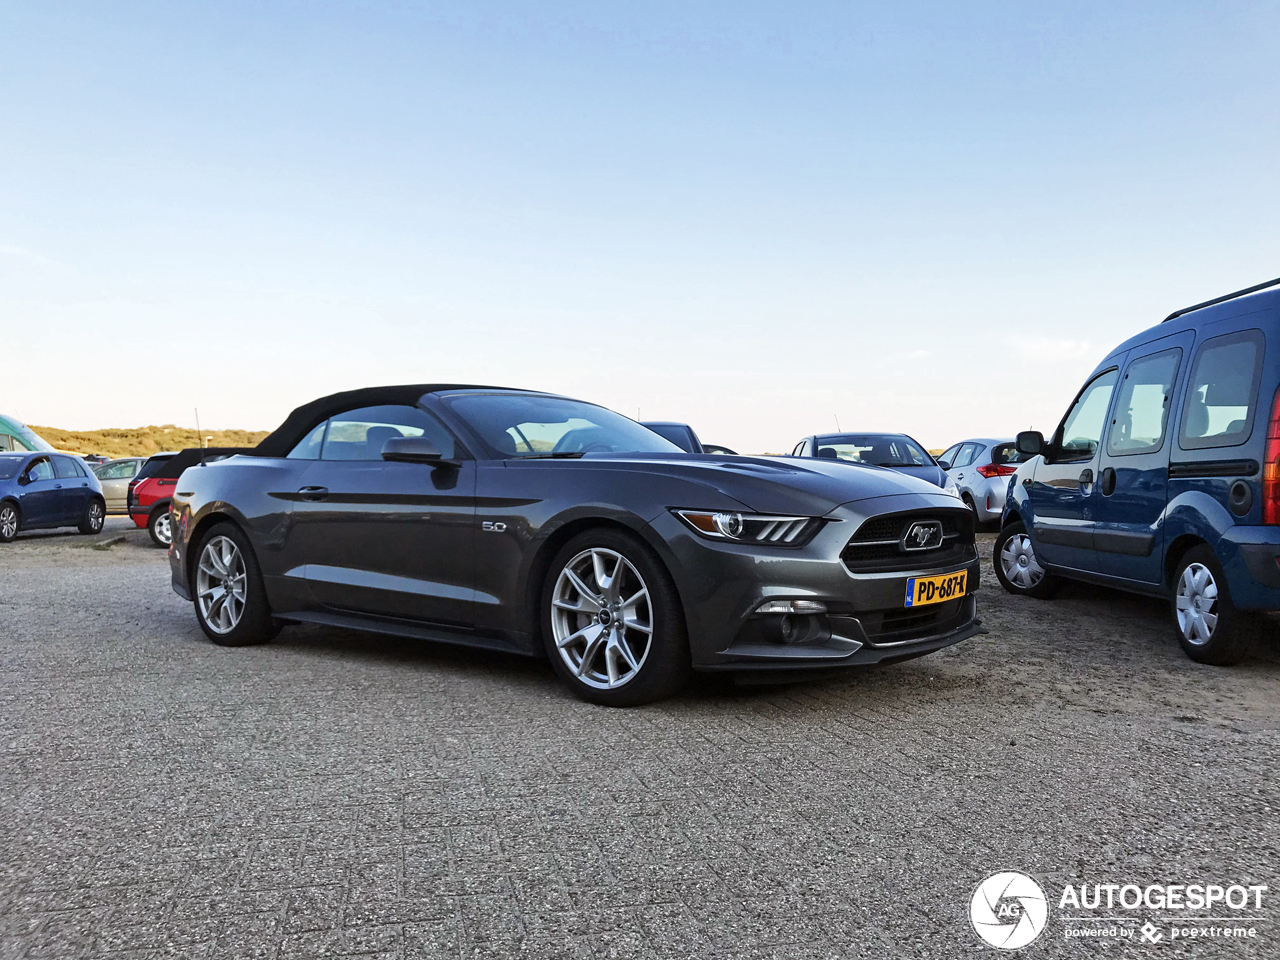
135	441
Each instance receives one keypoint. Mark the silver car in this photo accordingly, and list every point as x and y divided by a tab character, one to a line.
980	469
114	475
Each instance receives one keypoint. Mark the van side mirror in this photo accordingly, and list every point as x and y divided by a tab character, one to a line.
1030	443
412	450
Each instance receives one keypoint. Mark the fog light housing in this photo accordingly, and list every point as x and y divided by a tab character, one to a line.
798	607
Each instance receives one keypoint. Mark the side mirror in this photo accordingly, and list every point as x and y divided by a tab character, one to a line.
412	450
944	465
1030	443
24	479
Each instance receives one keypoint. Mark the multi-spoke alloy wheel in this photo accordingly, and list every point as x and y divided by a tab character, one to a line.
221	582
1197	604
8	522
1018	561
94	517
601	618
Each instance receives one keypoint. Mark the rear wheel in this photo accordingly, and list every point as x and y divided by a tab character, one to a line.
1016	567
95	515
160	526
1207	623
10	521
230	600
612	622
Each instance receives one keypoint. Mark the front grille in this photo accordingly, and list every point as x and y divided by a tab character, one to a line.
902	625
877	545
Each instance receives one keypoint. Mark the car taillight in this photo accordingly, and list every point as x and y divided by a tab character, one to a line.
990	470
1271	468
128	499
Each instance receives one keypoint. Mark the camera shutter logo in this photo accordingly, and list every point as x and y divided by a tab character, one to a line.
1008	910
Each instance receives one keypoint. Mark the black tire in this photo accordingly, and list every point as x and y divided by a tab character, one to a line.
254	624
160	526
1041	586
10	521
973	508
1214	631
662	664
95	515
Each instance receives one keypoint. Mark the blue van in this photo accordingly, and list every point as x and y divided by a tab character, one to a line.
1164	475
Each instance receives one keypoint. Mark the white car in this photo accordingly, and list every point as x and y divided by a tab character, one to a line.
980	470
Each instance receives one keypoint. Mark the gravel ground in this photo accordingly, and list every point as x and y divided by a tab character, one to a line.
340	794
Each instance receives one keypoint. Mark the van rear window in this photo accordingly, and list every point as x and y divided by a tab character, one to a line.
1222	391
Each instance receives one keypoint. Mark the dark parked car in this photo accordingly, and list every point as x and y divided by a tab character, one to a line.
895	450
682	435
1164	475
532	523
48	490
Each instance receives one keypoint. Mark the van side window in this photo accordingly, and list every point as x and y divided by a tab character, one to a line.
1081	429
1222	391
1142	412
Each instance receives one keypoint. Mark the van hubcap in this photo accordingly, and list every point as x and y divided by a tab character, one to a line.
1018	562
1197	604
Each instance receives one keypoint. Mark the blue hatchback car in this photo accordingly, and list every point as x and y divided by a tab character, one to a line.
1164	475
48	490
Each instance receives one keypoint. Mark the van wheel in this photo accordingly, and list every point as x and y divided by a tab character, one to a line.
1016	567
160	526
612	623
1208	625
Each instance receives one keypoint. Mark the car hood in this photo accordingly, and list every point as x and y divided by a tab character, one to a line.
785	485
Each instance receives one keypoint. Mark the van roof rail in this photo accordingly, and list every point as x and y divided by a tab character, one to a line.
1224	299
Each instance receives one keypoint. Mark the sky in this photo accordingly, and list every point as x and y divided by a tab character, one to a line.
761	219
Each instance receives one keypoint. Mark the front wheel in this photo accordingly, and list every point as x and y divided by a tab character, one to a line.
1207	622
9	522
612	622
1016	567
160	526
95	514
230	600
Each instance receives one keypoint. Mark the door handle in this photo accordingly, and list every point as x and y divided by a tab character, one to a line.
313	493
1107	481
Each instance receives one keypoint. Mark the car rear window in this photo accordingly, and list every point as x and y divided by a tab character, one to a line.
1222	391
153	467
1006	453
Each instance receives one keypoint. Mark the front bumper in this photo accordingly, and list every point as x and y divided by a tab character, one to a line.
723	584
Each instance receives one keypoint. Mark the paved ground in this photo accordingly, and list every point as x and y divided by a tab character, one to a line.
337	794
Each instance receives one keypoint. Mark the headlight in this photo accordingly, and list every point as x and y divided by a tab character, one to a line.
750	527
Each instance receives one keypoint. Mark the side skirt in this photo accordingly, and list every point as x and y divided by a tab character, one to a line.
404	628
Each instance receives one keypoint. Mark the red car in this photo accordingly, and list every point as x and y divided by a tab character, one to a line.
151	491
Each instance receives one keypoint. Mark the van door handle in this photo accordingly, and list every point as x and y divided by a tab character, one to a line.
313	493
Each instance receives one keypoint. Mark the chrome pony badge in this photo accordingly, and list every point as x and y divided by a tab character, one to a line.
923	535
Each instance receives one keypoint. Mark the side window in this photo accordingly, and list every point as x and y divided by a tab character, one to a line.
799	450
1081	429
967	454
360	434
949	455
1222	391
1142	411
308	447
64	468
41	470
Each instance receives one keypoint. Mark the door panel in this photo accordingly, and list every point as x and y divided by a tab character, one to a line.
40	500
1133	485
1062	493
395	539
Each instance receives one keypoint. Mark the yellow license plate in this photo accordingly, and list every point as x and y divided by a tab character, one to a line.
922	591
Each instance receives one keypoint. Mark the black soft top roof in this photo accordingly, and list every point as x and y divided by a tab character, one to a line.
307	417
172	466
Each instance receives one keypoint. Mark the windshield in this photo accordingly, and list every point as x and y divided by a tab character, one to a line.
9	466
24	435
524	426
881	450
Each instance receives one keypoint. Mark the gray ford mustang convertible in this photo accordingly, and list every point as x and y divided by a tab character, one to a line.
528	522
